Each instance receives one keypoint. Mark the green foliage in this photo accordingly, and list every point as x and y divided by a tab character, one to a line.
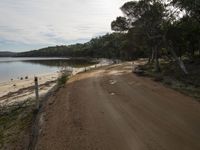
120	24
62	79
15	122
191	7
111	46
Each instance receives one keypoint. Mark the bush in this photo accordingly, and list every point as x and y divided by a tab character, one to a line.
62	80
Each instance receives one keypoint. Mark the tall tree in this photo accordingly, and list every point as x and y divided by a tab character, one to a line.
192	7
145	17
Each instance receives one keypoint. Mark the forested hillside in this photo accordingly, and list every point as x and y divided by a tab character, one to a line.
113	45
7	54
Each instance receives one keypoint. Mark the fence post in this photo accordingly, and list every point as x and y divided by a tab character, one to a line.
37	93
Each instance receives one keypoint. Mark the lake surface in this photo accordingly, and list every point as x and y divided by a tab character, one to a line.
15	68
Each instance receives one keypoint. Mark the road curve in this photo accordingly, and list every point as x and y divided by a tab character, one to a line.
112	109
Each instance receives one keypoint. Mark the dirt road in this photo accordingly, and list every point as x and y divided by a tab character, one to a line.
112	109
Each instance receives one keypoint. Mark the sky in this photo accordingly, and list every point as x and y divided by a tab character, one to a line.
33	24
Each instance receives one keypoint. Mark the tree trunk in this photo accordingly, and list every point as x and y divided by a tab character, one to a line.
179	61
157	64
192	53
149	60
152	55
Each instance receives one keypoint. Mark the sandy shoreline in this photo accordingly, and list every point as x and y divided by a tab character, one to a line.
12	92
20	90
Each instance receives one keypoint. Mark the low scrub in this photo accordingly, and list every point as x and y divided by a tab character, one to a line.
63	78
172	76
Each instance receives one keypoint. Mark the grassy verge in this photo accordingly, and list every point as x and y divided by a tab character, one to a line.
16	121
173	77
15	126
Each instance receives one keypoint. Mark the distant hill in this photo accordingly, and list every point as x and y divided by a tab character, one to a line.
7	54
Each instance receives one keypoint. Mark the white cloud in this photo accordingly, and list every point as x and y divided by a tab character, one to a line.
48	22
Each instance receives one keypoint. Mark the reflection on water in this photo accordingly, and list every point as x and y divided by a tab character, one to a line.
14	68
75	63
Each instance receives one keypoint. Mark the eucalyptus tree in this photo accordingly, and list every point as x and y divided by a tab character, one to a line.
120	24
144	19
192	7
190	23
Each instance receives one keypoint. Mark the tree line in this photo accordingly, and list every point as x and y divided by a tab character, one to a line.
112	46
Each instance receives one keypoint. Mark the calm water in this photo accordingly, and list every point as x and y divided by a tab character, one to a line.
14	68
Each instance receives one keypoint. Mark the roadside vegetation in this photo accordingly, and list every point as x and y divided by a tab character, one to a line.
15	125
63	78
172	76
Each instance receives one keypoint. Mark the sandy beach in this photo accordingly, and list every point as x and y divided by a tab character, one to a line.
20	90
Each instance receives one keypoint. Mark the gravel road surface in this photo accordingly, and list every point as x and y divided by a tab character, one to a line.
111	108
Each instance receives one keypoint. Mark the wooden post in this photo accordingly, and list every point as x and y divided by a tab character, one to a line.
37	93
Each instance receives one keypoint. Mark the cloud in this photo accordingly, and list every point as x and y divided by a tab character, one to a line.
36	23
